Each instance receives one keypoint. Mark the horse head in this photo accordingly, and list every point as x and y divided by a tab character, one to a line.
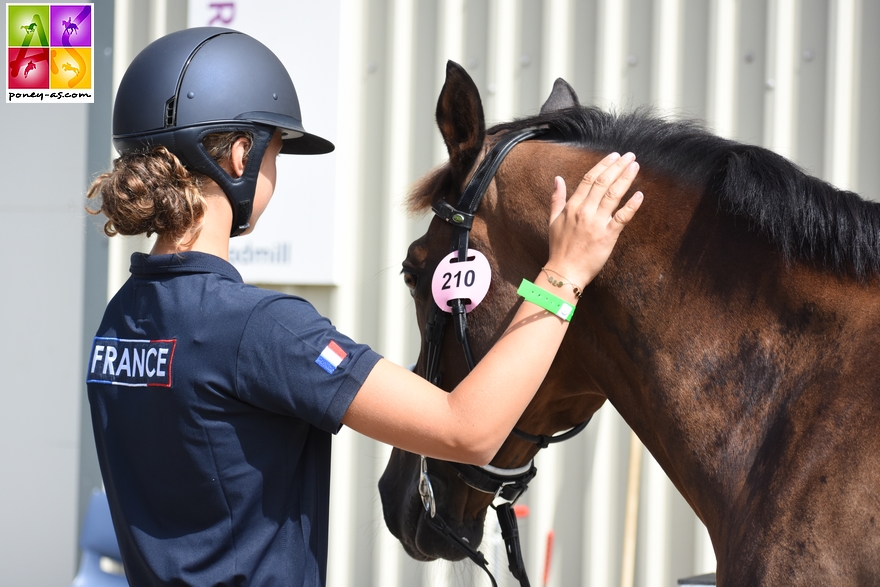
513	237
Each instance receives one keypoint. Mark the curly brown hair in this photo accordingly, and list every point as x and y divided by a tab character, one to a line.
154	193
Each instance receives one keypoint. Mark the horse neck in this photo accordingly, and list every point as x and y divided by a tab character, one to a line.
703	337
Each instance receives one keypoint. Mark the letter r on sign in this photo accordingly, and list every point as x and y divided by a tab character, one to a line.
224	12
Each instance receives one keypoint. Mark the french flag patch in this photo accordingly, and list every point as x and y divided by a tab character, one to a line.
330	357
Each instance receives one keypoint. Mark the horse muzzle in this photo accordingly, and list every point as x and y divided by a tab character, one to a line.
404	509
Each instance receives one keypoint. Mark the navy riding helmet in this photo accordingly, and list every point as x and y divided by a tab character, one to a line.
206	80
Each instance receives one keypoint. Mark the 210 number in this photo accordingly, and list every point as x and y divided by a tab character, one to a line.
469	278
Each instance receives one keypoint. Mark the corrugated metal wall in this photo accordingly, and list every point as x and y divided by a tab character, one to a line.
800	77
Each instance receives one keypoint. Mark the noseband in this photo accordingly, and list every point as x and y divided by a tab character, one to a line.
507	484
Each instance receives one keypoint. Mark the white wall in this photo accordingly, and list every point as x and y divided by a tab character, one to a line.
41	301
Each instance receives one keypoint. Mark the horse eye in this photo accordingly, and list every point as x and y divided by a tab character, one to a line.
411	280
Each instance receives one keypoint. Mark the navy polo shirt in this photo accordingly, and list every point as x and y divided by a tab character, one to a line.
213	404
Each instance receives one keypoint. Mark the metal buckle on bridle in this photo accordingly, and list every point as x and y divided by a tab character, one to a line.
508	484
513	489
426	490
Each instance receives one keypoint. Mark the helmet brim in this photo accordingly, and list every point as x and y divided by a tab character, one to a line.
295	139
306	144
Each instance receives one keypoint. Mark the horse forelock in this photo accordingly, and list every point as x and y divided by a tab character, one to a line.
806	218
438	183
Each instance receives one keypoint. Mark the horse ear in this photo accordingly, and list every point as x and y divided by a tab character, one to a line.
460	117
563	96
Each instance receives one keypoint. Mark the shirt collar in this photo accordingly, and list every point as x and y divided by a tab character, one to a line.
145	265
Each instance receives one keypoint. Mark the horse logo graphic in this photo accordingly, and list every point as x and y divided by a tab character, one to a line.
69	26
29	68
29	29
69	67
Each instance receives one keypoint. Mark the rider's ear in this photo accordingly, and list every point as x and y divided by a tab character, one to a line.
238	156
460	118
563	96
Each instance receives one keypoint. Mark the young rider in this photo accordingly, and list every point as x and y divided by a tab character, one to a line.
213	402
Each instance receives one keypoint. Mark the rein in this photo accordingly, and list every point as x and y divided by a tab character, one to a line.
507	484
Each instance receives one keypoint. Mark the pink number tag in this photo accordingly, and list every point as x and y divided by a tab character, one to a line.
468	280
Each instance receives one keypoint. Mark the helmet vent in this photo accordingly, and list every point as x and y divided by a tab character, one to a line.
170	111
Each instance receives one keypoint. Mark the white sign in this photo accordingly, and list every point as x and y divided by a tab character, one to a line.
293	241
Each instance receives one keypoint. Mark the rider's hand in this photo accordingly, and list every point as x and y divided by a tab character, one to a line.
583	231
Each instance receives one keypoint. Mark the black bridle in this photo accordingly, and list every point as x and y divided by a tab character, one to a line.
507	484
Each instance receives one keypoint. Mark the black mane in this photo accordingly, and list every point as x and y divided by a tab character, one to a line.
807	218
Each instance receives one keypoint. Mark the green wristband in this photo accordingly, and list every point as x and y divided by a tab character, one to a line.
544	299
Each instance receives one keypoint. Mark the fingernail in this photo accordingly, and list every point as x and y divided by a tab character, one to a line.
630	156
613	157
637	197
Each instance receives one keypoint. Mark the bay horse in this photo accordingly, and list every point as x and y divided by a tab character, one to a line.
733	328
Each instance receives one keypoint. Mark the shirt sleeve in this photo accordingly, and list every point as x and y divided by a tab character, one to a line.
293	361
